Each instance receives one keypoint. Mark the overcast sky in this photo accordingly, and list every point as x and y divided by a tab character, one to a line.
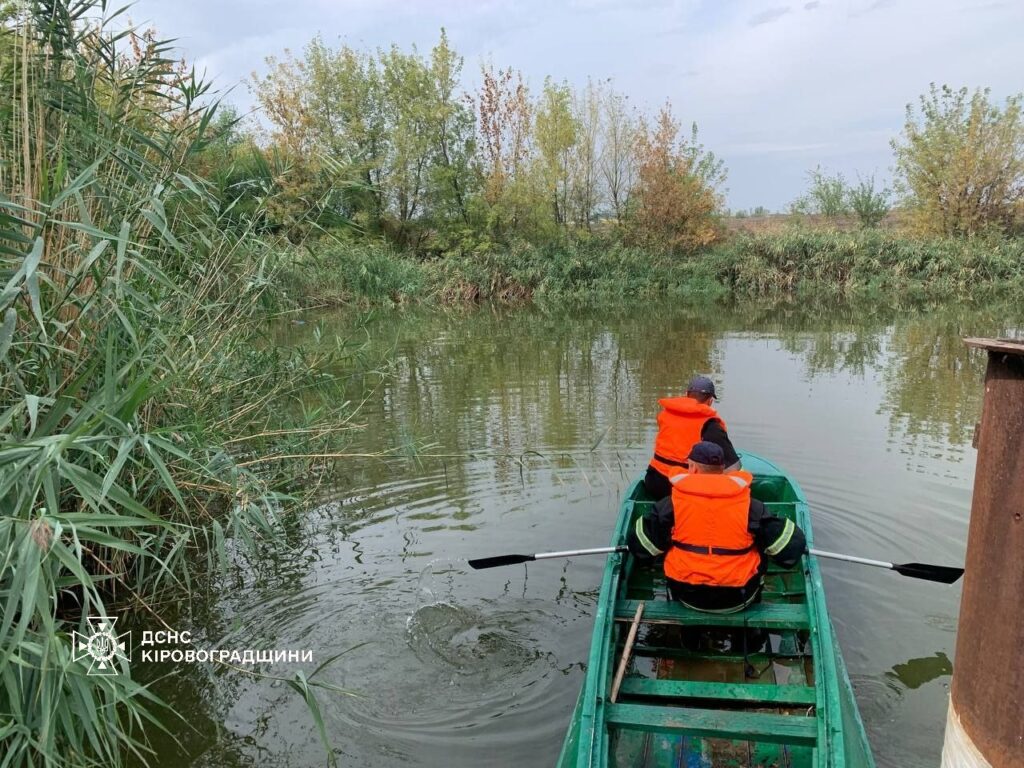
776	87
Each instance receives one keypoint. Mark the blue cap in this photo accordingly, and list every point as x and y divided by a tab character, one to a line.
707	453
703	385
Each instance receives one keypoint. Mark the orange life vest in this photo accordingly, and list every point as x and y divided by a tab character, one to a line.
710	541
679	426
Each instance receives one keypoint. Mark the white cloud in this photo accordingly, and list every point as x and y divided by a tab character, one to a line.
768	16
812	82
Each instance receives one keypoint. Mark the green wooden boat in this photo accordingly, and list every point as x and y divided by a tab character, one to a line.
698	691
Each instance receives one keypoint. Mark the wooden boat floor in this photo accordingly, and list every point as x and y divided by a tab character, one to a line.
696	697
713	699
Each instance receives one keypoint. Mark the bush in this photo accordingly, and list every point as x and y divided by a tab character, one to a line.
867	261
869	206
826	196
675	203
344	272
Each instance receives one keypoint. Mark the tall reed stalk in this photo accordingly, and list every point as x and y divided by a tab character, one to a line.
138	420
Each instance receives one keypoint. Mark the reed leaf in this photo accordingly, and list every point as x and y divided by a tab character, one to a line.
128	374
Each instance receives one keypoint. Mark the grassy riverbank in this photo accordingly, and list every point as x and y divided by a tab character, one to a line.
794	262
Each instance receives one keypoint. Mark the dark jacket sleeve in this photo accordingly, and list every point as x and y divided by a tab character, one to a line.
713	432
778	538
651	535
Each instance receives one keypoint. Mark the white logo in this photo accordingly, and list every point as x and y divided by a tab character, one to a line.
102	646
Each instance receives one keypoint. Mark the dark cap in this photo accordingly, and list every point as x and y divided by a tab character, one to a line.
707	453
703	385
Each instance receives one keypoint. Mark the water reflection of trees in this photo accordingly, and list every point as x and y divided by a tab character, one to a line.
508	381
511	382
931	379
935	391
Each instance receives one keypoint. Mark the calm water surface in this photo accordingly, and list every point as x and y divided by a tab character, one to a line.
517	431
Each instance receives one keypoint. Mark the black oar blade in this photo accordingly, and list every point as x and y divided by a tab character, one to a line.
940	573
494	562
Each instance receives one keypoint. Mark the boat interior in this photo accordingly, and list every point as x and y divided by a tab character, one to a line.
759	688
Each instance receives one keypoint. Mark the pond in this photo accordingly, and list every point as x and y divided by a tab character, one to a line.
501	431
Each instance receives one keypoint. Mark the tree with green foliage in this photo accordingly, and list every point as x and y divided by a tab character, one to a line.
301	155
452	130
556	131
343	96
385	136
960	161
407	102
585	189
827	195
869	205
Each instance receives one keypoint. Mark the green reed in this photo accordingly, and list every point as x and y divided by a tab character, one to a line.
142	420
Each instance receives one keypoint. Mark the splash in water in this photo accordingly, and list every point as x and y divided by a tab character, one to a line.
476	642
437	580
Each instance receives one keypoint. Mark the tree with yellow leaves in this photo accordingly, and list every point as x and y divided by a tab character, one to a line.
675	199
960	163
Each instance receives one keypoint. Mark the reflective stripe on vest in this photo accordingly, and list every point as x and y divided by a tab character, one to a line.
645	542
780	543
680	424
711	543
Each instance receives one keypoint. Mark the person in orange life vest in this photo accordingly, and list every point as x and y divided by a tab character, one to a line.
714	536
682	422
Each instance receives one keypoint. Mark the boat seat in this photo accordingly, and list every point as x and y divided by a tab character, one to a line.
747	693
780	508
762	615
796	730
650	581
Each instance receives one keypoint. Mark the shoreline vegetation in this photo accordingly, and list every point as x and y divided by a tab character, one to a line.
796	262
148	235
394	185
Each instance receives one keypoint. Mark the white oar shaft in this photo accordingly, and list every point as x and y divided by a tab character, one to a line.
575	552
851	559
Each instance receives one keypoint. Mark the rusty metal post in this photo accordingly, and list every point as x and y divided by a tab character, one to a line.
985	726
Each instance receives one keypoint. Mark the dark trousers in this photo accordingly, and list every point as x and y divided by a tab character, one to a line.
656	484
705	597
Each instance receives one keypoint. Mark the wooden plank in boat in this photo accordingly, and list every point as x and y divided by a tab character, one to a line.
739	692
715	723
763	615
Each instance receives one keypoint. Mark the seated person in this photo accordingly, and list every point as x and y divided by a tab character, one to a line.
682	422
715	537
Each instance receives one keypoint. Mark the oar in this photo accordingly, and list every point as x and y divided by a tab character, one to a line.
940	573
494	562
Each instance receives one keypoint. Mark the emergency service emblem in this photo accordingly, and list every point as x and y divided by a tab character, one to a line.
102	646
